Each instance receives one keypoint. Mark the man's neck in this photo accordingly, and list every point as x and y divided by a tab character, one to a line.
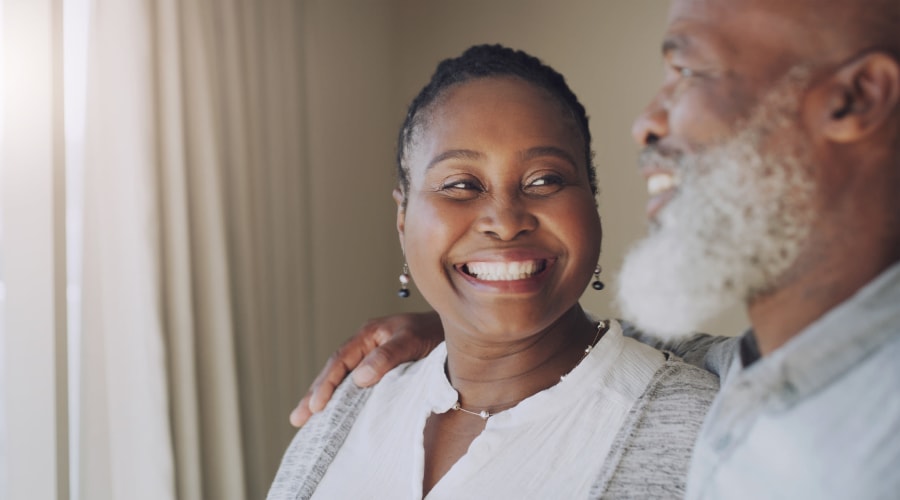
782	314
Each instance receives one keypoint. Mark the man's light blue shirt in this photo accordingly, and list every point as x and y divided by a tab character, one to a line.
819	418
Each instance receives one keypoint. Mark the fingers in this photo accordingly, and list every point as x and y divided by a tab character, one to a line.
380	359
302	412
400	338
380	345
377	363
336	368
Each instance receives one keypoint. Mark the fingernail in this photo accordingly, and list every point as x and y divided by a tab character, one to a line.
364	375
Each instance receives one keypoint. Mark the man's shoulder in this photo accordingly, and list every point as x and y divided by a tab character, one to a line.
710	352
869	385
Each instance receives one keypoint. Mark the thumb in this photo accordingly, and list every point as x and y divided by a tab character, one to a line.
382	360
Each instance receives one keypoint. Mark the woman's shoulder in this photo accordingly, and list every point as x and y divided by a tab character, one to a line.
678	389
679	378
652	452
316	443
349	399
673	378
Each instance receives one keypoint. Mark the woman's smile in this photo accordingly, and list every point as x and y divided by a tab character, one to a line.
512	275
504	271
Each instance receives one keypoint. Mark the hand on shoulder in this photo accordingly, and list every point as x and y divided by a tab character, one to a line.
378	346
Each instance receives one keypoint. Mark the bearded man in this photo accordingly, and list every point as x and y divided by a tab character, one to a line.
772	153
772	157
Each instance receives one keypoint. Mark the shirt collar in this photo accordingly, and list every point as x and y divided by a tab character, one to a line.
833	344
597	371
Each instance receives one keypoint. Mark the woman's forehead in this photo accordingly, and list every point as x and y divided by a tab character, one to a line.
485	105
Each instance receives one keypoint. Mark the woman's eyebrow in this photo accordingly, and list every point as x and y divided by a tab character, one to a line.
528	154
537	152
455	154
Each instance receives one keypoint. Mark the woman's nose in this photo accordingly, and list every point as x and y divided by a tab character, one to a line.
507	218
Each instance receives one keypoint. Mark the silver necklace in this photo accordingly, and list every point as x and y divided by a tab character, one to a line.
602	326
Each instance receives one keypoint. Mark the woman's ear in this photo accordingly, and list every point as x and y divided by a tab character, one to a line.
401	215
860	97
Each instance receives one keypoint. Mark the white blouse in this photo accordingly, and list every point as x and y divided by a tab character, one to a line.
550	445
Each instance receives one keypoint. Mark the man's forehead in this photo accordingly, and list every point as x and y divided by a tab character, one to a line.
694	37
693	22
734	28
694	9
711	10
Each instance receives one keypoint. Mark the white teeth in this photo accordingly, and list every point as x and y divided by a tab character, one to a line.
503	271
657	183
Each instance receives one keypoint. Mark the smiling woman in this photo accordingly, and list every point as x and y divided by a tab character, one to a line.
521	201
497	219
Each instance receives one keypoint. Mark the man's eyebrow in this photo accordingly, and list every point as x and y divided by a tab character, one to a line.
455	154
554	151
673	44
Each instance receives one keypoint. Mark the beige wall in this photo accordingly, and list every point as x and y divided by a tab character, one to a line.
351	122
367	59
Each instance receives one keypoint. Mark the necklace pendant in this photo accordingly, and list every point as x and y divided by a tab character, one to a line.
484	414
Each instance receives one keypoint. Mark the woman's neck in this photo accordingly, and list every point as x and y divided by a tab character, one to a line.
496	376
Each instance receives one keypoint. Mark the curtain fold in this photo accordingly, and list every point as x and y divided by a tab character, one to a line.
197	305
195	294
125	439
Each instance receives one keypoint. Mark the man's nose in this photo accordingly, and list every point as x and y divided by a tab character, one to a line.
652	124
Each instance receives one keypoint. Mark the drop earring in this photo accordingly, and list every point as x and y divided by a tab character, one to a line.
597	284
403	292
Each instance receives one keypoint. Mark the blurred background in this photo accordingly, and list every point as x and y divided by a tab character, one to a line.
195	212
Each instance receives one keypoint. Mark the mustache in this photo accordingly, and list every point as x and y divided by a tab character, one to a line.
655	156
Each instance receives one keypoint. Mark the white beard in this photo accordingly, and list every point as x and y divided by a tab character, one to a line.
732	232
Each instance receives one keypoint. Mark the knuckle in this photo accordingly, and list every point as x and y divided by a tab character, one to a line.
382	334
380	357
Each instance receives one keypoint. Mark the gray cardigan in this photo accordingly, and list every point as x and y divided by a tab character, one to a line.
648	459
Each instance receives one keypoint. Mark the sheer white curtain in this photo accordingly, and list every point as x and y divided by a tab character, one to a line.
195	304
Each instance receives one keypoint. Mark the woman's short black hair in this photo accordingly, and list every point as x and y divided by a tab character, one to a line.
483	61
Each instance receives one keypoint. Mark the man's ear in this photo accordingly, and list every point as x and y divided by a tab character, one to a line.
860	97
401	216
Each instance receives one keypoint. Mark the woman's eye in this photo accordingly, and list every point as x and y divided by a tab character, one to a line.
459	185
546	184
461	189
545	181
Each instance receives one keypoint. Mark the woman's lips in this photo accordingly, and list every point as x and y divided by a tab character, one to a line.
506	276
